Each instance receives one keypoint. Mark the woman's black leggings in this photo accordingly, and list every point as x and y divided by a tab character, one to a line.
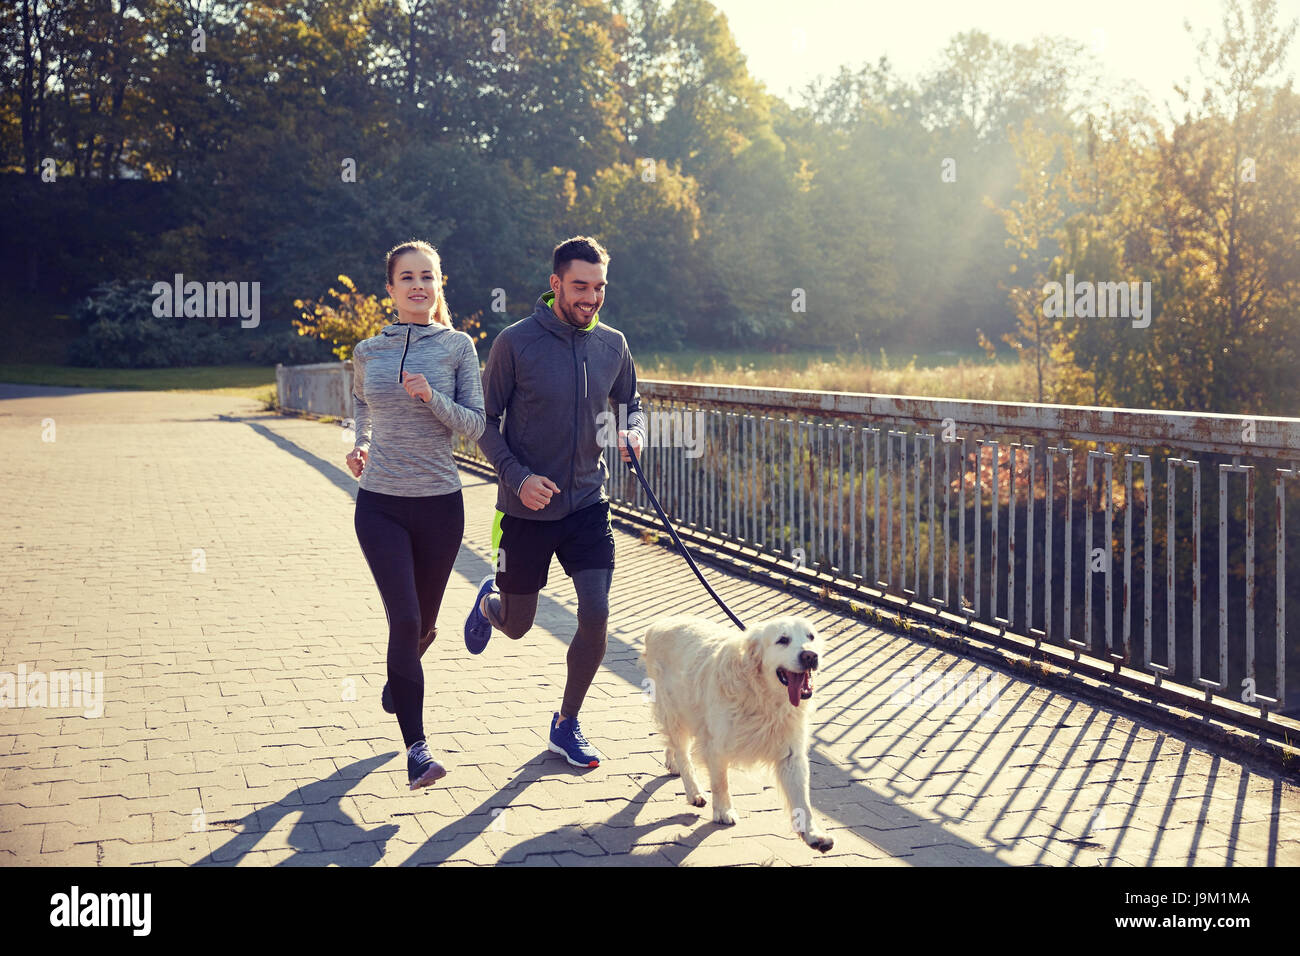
410	545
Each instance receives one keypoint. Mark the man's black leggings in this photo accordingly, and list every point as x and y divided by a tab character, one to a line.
410	545
514	613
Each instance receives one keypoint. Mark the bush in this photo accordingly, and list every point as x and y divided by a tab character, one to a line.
355	317
121	331
286	347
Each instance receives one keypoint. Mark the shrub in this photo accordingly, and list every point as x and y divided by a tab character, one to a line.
121	331
350	318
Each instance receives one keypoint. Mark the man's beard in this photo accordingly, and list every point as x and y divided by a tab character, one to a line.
571	315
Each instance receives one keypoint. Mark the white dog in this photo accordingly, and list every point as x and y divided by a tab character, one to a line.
743	699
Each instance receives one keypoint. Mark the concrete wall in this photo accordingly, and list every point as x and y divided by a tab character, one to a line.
322	389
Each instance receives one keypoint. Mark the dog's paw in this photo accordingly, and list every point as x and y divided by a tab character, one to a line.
726	817
819	841
696	801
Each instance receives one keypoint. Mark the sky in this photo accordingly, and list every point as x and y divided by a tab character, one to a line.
1141	41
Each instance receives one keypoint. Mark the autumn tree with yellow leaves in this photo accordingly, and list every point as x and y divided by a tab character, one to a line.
345	321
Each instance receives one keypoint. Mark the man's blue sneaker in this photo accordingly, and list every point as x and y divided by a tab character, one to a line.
567	740
478	629
421	768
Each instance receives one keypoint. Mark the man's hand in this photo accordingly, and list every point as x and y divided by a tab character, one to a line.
623	438
356	460
536	492
417	386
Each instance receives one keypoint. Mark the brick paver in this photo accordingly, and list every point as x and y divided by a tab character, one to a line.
200	555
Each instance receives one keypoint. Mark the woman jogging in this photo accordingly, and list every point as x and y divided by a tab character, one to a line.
413	384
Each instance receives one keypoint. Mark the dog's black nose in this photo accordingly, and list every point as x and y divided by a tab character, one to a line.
808	659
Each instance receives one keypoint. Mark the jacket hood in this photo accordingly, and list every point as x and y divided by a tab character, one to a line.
417	331
544	314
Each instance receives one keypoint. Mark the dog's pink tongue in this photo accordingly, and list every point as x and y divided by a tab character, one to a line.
795	686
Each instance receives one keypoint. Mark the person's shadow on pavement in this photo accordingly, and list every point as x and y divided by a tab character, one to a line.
347	843
492	820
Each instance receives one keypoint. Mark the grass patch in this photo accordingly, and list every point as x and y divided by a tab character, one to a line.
249	381
694	362
960	378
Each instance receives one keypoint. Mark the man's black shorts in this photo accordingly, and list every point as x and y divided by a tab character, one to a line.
582	540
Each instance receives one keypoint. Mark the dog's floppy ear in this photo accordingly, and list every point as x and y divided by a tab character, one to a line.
754	641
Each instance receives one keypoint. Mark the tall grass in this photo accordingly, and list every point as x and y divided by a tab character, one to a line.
965	378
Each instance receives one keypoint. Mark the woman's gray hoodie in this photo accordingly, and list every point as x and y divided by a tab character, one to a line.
409	441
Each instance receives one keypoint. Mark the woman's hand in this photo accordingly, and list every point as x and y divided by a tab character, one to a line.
356	460
417	386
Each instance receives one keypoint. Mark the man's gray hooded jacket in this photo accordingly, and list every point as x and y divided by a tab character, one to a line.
551	382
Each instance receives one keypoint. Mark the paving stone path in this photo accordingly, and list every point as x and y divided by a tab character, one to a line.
199	554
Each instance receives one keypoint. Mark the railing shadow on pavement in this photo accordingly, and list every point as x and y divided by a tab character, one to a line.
862	690
966	786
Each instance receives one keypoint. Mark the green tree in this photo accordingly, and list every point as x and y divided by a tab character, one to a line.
648	217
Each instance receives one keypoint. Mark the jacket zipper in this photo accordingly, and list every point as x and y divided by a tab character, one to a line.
584	376
577	411
402	364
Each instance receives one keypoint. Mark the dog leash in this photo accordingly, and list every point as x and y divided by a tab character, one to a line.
636	469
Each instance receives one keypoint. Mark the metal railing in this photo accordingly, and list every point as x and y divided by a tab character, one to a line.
997	517
1003	517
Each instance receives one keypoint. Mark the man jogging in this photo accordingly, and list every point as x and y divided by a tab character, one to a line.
551	376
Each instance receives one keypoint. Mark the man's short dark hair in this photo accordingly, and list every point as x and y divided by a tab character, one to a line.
579	247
